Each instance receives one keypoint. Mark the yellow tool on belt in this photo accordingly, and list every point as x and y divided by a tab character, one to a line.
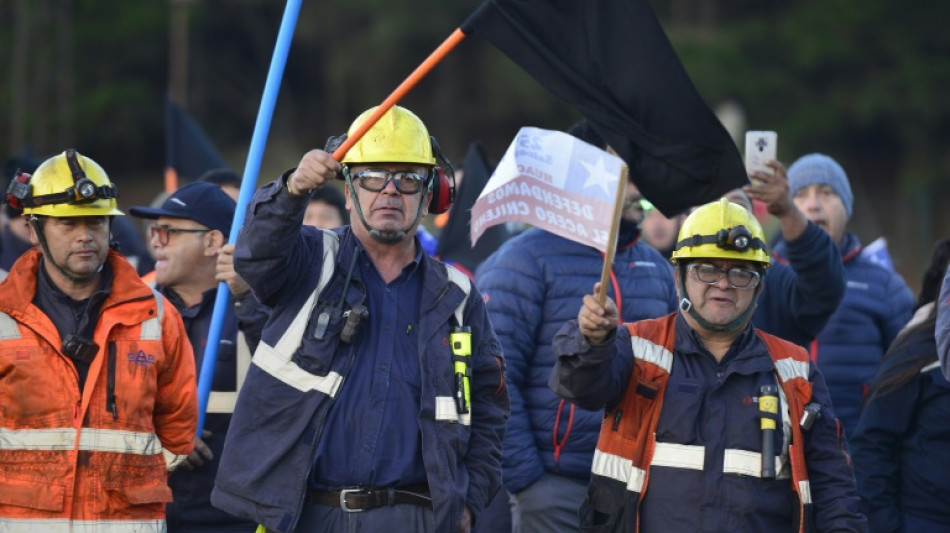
768	411
461	341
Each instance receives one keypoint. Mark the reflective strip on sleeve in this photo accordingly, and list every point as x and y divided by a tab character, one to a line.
652	353
90	439
617	468
788	369
282	368
276	360
746	463
447	411
679	456
172	460
804	491
932	366
63	525
221	402
9	329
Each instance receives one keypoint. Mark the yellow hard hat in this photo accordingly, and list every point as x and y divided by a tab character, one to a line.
67	185
721	230
398	137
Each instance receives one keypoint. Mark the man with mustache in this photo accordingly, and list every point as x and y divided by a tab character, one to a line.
705	426
96	373
376	398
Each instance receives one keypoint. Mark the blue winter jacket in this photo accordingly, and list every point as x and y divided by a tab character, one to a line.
876	305
802	291
279	418
710	408
532	285
901	449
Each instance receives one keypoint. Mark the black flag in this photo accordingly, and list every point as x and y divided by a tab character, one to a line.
455	238
612	61
187	149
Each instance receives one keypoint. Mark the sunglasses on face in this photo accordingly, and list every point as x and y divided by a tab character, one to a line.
710	274
376	179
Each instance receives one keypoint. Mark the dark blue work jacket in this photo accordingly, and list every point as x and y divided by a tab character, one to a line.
282	408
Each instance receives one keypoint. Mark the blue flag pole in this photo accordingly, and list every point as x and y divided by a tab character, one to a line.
248	184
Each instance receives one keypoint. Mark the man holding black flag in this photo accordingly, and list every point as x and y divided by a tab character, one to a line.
697	399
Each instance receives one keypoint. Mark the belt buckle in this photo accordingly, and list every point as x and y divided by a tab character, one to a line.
343	493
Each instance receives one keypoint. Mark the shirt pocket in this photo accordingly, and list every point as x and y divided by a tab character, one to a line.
683	411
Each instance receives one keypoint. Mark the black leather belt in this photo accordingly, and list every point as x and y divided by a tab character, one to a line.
356	500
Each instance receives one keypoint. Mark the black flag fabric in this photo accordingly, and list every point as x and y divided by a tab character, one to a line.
454	240
187	148
612	61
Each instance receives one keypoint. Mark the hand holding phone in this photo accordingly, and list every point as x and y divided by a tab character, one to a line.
760	147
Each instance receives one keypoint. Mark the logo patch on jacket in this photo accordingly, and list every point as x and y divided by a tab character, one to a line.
140	358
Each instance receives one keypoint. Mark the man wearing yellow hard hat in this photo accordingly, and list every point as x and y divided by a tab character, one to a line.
710	423
96	373
377	399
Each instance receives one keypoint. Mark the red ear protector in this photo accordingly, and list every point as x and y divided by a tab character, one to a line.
441	177
19	188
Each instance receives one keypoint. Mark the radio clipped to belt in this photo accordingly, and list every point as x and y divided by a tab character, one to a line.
461	341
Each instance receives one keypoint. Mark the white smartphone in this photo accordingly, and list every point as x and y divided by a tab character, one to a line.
760	147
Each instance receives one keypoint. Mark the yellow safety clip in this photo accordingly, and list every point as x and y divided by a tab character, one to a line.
461	340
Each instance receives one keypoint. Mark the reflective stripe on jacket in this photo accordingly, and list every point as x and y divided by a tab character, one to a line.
279	418
69	460
627	446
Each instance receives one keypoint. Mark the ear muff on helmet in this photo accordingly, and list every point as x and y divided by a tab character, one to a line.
441	177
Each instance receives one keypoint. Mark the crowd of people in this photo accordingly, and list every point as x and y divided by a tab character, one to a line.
719	381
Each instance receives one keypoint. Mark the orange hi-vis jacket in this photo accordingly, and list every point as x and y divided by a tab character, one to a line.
97	459
622	461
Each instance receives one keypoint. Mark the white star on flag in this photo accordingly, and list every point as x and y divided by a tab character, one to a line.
599	176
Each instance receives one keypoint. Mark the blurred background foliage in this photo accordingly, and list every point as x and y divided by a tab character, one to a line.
863	81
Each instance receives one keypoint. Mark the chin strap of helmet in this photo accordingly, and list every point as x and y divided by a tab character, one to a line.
376	234
735	324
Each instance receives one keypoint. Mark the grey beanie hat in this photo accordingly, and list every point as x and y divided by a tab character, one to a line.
819	169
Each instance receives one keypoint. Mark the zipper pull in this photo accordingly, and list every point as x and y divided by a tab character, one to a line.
76	409
618	415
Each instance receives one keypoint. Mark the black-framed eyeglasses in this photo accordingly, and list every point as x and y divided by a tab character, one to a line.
710	274
165	232
376	179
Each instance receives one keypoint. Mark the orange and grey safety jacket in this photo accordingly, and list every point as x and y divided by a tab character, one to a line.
95	459
689	428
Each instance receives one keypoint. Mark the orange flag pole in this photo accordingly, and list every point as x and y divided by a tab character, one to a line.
171	180
430	62
612	239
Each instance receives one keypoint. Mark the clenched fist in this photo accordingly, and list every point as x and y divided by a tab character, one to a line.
315	168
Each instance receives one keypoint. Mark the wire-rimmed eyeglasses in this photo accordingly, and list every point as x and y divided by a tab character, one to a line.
710	274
